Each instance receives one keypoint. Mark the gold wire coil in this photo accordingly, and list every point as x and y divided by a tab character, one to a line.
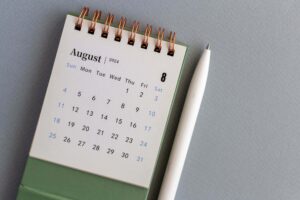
147	33
84	12
172	39
121	26
118	34
135	28
96	17
108	21
160	37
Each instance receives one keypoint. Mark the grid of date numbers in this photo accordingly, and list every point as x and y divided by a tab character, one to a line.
114	135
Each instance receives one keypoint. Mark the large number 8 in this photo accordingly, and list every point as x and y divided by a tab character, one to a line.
163	77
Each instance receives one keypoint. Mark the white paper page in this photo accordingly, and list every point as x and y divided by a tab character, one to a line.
107	115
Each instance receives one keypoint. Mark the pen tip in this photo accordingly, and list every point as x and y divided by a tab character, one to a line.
208	46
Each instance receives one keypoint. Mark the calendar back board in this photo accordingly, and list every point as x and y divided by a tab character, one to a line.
105	112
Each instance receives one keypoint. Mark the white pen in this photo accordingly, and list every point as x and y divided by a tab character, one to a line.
185	128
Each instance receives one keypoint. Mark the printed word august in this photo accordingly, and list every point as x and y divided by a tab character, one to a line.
85	56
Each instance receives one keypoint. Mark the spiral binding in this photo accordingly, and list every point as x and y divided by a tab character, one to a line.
118	34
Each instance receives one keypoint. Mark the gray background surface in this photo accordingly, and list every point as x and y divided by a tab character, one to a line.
246	144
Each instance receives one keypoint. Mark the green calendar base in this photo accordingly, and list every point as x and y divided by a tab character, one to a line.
47	181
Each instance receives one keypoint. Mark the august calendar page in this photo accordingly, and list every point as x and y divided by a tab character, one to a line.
107	105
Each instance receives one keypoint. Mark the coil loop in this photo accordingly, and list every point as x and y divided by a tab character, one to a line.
135	28
160	37
147	33
118	35
172	39
84	12
96	17
108	21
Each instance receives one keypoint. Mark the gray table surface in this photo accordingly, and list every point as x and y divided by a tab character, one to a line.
246	143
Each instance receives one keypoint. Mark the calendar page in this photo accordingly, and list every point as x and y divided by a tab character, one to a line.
107	104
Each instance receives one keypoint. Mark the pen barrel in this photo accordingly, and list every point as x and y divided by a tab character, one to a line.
185	129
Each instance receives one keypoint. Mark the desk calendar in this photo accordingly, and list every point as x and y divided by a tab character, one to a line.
108	101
